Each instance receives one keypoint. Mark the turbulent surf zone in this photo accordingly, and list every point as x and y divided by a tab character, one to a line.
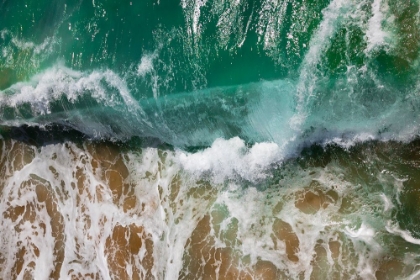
264	139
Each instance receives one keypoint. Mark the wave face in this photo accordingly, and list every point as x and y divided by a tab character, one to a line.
213	139
276	71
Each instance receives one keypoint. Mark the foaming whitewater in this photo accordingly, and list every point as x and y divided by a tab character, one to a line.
227	159
100	105
267	139
60	82
91	211
322	99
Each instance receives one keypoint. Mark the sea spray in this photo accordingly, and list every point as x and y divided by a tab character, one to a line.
209	139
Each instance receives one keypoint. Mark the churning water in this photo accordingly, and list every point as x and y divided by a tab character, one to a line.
210	139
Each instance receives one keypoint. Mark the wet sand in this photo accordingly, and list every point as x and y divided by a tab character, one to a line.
87	215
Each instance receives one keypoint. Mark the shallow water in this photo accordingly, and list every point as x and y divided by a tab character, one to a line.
209	139
99	210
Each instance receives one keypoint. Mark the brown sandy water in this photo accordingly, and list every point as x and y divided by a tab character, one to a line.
97	211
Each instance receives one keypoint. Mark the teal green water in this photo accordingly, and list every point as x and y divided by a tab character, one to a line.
187	73
254	103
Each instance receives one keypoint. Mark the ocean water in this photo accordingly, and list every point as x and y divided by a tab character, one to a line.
210	139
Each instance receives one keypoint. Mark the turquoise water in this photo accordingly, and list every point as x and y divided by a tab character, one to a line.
301	110
188	73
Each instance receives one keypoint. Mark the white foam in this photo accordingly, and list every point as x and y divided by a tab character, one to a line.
376	35
363	233
388	205
348	142
227	159
309	74
36	54
58	81
192	10
406	235
146	64
173	196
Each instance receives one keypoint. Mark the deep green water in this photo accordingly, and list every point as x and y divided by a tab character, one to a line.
190	72
259	99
